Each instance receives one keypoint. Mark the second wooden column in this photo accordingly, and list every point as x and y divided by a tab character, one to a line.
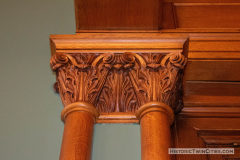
155	120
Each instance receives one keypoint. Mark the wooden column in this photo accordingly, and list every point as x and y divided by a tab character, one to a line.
118	84
155	120
79	118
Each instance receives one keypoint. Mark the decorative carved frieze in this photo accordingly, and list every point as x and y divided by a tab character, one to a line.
119	82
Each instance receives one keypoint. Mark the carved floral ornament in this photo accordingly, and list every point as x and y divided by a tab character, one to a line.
114	82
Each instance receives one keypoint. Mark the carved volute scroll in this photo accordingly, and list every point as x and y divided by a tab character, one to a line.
119	82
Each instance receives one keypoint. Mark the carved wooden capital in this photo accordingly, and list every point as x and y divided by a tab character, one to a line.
119	82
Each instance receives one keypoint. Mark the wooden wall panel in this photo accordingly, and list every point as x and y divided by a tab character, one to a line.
184	134
214	45
146	15
212	70
118	14
208	15
209	88
206	133
168	19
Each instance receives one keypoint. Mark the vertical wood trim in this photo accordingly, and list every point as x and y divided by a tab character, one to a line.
160	14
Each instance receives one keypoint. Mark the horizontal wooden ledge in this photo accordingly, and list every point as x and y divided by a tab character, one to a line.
115	31
201	30
213	55
217	132
222	137
208	112
112	36
122	51
202	1
194	106
194	112
118	118
206	4
210	60
214	36
211	101
177	30
106	41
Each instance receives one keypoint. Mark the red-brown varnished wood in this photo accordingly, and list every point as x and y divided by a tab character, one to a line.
226	137
214	46
168	20
146	50
118	118
227	55
155	120
202	1
212	88
214	70
118	41
77	139
209	111
114	82
155	136
196	15
118	14
213	101
201	30
134	28
206	133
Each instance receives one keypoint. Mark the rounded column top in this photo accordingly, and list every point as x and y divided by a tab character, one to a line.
155	106
80	106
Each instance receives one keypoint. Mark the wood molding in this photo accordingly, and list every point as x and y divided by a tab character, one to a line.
206	133
208	111
119	41
230	138
118	14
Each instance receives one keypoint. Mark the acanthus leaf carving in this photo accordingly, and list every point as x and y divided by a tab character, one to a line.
120	82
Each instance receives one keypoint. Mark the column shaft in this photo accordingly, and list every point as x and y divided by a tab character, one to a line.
155	123
78	133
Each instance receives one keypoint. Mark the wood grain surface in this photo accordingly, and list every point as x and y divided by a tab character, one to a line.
79	119
77	136
205	31
207	15
118	14
207	133
117	41
155	120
